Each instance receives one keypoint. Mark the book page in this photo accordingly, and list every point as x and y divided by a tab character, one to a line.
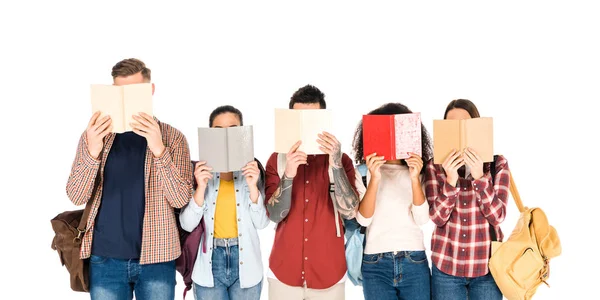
212	148
109	100
287	129
240	144
314	122
136	98
408	135
446	136
378	136
479	135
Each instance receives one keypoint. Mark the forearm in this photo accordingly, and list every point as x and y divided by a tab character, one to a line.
346	198
281	200
192	214
175	171
417	192
367	205
84	171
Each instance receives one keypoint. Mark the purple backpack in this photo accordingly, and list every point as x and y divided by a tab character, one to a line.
190	245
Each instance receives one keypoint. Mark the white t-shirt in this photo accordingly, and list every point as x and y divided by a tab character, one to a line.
395	224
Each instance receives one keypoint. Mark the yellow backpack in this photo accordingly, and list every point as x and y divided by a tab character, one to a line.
521	263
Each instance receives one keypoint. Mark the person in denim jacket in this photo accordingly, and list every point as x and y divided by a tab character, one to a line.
232	205
393	209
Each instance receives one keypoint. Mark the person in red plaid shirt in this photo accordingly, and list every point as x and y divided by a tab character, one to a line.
467	206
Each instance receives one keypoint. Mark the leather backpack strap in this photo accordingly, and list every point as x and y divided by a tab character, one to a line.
515	194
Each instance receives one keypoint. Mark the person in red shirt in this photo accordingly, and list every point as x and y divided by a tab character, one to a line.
307	259
467	204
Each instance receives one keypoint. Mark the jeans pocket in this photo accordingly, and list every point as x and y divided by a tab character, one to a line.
417	257
371	258
97	260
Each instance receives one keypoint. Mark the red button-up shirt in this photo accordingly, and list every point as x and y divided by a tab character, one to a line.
306	247
463	215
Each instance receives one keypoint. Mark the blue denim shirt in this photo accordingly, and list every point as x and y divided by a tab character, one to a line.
251	217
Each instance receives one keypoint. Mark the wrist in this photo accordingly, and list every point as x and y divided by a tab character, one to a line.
158	152
287	177
199	196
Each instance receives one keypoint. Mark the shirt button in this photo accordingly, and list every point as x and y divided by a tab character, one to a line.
239	219
306	200
241	262
214	203
306	240
302	272
234	177
465	220
216	190
305	220
465	203
241	249
237	190
477	189
463	250
465	189
238	204
302	277
307	182
464	235
306	258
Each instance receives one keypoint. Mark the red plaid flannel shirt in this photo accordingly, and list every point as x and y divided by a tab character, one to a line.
461	242
167	183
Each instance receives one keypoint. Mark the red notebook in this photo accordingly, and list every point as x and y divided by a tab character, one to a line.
392	136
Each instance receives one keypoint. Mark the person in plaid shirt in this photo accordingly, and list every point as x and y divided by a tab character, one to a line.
467	207
134	179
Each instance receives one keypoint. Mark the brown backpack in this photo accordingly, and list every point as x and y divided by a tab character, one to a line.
69	228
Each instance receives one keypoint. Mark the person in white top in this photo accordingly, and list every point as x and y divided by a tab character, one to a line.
393	209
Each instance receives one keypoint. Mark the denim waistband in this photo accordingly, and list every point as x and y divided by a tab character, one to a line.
396	253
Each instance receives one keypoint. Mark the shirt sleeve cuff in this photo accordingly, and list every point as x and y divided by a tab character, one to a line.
362	220
450	191
481	184
162	159
259	205
196	208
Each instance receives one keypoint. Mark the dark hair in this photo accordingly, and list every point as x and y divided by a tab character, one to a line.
308	94
130	66
391	109
225	109
464	104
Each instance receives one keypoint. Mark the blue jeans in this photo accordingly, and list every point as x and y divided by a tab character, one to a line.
403	275
226	273
118	279
444	286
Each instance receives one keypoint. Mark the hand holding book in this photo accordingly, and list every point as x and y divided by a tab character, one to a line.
202	174
374	164
252	174
329	144
474	162
294	158
451	165
145	125
96	130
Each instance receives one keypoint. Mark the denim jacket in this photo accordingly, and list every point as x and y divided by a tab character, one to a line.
251	217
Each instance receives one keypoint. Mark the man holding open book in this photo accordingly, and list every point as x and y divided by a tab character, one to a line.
307	259
135	169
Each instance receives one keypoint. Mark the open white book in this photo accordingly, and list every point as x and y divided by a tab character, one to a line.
293	125
122	102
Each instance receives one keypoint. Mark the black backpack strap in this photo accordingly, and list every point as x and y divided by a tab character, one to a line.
493	236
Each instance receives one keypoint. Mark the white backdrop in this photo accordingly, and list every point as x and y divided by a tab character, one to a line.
532	66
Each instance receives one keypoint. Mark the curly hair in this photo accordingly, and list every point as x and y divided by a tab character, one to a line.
391	109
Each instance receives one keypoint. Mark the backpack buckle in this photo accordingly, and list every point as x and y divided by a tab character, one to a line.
79	235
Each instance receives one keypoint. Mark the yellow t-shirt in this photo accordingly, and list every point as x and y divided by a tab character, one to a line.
225	212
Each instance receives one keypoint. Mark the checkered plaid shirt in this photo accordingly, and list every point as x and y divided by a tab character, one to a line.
168	184
460	244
